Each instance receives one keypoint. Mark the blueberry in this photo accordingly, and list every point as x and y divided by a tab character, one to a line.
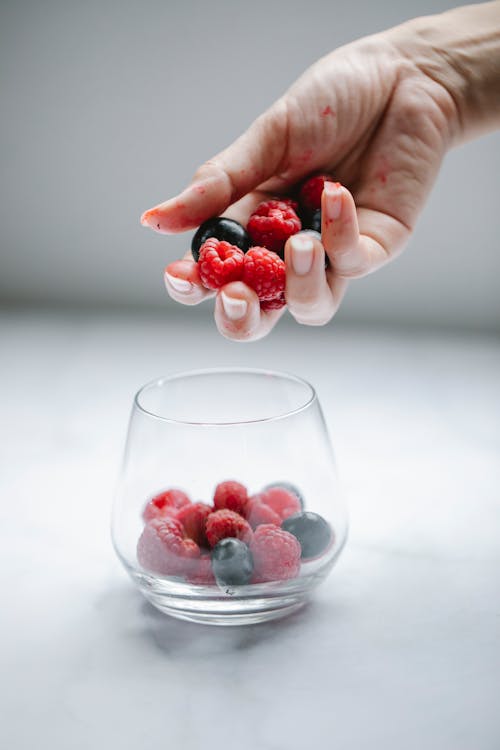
290	487
312	531
313	221
222	229
232	562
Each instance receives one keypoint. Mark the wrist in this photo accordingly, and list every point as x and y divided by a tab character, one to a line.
460	51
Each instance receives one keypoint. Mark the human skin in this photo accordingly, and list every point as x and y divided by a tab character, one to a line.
379	114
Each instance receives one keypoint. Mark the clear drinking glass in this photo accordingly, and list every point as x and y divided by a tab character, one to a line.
195	430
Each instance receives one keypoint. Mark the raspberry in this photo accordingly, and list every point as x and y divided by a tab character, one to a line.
273	304
219	263
284	502
225	523
272	223
312	190
258	513
193	518
265	272
163	549
231	495
165	504
287	486
276	554
201	572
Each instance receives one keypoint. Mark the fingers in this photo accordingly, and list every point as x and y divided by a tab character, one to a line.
312	297
249	161
183	283
357	241
182	279
238	315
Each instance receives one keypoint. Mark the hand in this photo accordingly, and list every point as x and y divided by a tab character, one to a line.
375	114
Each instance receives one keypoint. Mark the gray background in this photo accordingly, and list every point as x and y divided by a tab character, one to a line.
108	107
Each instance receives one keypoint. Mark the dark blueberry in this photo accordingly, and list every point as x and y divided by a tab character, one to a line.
222	229
290	487
312	531
232	562
313	221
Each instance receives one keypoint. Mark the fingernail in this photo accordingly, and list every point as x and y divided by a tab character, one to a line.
302	254
180	285
235	309
333	204
312	233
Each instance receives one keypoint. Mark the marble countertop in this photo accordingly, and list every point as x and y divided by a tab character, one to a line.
400	647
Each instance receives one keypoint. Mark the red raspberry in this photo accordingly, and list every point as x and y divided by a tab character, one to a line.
231	495
276	554
258	513
273	304
282	501
163	549
219	263
265	272
165	504
311	191
201	573
224	523
193	517
272	223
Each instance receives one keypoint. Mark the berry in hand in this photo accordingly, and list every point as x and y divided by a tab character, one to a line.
312	220
276	554
311	530
231	495
265	273
272	223
219	263
273	304
222	229
224	523
311	192
232	562
165	504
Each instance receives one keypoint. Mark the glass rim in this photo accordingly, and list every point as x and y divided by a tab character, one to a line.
161	381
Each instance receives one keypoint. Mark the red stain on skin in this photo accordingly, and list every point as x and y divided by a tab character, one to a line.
243	171
200	189
328	111
383	171
306	155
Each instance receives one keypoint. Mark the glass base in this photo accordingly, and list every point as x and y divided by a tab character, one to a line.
246	612
244	605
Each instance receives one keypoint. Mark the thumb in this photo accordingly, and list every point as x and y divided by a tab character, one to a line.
250	160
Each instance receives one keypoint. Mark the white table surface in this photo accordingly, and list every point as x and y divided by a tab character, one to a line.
401	646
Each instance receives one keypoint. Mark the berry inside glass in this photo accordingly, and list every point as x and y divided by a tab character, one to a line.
228	510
